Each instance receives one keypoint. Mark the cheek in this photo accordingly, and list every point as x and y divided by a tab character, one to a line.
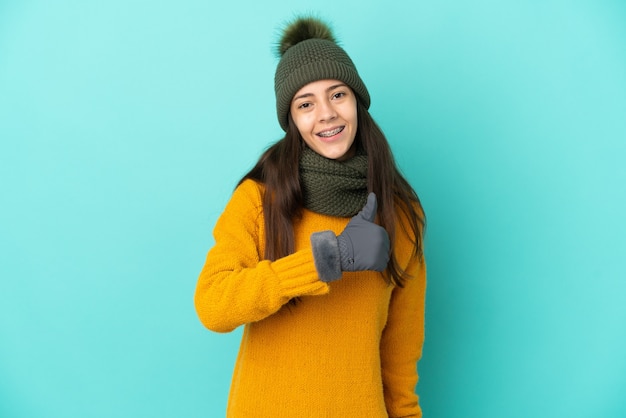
350	114
303	124
354	121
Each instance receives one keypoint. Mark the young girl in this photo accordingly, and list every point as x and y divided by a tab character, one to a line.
319	254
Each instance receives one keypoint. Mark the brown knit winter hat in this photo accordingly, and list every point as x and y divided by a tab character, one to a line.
310	53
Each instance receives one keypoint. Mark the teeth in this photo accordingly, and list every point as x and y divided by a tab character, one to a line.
327	134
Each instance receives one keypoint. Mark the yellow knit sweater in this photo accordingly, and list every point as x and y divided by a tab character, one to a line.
347	349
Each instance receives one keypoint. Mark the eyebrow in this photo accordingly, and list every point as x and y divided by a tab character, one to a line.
305	95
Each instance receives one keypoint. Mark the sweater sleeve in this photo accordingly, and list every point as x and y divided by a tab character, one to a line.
236	286
401	344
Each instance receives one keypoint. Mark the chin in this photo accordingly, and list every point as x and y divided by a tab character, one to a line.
334	155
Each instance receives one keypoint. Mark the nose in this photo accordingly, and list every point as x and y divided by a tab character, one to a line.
326	111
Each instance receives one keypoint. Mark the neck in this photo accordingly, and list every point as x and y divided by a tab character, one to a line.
333	187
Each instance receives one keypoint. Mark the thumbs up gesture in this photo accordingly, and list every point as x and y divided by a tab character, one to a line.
364	245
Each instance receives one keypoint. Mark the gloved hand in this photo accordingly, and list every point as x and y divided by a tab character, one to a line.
363	245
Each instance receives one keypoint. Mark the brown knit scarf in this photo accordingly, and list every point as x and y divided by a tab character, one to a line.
336	188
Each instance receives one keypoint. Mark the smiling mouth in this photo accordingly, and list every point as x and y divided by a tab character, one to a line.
330	132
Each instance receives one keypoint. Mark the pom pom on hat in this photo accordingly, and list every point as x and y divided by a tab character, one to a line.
302	29
309	52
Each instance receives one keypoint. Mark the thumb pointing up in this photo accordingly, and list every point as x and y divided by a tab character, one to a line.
363	245
369	210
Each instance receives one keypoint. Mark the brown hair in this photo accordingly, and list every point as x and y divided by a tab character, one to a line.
278	170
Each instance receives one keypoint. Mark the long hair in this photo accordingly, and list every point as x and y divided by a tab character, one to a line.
278	170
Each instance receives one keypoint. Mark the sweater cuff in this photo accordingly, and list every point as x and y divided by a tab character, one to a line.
326	255
297	276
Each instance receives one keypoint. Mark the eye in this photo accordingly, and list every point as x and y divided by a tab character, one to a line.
339	94
304	105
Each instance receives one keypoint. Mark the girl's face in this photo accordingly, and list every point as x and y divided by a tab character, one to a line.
325	114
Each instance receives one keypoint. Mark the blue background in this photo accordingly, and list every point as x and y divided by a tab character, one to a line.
124	126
